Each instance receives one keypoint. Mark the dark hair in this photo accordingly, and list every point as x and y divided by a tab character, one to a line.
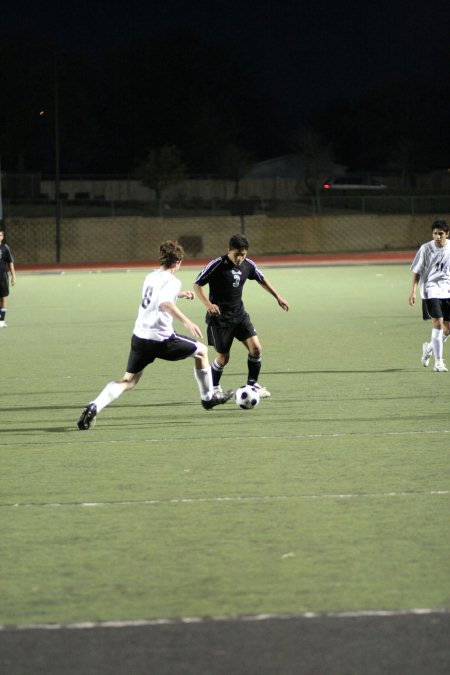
440	224
170	252
238	241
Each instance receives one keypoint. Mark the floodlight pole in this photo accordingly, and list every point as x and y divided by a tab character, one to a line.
57	166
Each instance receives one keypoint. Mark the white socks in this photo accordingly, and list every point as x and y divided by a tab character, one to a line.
108	394
204	381
437	342
114	389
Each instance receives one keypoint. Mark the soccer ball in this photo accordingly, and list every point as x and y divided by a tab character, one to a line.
247	397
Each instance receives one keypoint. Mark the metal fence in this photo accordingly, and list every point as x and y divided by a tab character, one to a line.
131	239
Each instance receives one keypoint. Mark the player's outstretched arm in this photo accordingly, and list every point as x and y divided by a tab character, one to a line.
12	272
211	308
189	295
173	310
412	295
270	289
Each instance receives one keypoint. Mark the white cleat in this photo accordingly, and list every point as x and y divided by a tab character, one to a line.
440	367
427	351
263	392
3	324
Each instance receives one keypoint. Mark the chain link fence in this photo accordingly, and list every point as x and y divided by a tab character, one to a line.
128	239
116	220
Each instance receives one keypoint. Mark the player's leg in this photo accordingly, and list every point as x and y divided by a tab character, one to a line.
434	310
202	372
437	341
427	347
217	367
210	396
142	353
254	363
445	304
180	347
247	335
4	292
221	338
2	312
254	349
446	331
115	389
108	394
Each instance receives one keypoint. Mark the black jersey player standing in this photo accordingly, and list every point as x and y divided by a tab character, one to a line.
6	269
226	317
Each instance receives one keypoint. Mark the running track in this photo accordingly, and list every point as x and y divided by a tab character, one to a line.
310	260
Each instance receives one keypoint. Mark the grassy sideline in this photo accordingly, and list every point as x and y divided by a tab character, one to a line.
333	495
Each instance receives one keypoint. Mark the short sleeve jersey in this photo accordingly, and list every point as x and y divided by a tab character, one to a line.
432	264
151	323
5	258
226	281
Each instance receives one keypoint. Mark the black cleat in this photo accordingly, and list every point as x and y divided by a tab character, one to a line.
219	397
87	417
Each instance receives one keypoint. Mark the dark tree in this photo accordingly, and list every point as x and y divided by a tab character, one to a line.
162	168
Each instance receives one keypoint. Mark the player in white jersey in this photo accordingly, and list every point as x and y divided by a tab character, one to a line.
431	272
154	337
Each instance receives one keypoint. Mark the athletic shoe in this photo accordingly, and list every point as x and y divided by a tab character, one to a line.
427	351
440	367
217	389
263	392
3	324
218	399
87	417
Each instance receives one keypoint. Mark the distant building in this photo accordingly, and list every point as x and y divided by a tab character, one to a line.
293	166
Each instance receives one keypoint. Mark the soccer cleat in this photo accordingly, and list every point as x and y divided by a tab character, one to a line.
217	389
3	324
427	351
263	392
440	367
218	399
87	417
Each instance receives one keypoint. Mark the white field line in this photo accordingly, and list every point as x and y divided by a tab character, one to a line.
216	619
163	439
236	499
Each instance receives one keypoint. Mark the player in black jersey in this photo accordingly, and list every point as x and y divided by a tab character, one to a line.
6	269
226	317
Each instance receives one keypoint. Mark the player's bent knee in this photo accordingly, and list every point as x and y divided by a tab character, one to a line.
130	380
201	351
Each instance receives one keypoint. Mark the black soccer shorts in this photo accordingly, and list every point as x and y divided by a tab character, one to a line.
436	308
221	336
4	285
143	352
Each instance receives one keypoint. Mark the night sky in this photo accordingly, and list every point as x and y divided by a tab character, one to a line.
304	51
304	54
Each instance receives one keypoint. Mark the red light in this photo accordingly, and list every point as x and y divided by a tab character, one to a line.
326	186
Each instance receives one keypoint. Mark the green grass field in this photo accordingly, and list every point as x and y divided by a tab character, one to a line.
333	495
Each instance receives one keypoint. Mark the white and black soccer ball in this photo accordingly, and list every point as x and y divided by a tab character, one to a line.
247	397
